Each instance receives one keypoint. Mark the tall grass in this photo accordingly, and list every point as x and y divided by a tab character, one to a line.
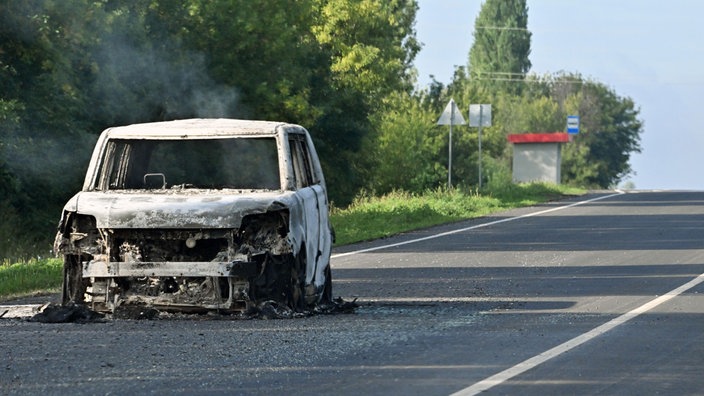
29	276
376	217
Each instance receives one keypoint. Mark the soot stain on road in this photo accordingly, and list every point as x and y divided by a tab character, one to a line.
79	313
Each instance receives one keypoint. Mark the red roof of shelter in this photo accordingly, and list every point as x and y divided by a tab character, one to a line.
550	137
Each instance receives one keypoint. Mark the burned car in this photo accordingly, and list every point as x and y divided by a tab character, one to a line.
199	214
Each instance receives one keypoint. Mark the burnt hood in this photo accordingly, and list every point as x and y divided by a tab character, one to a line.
216	209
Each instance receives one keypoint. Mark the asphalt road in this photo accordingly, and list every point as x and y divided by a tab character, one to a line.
571	297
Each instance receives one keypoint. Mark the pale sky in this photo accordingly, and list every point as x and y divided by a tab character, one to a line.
648	50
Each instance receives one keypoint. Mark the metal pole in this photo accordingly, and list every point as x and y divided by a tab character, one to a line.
449	155
480	145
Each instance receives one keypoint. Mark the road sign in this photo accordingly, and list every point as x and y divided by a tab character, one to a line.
451	115
573	124
480	115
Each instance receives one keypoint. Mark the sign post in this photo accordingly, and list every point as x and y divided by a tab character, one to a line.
479	116
450	116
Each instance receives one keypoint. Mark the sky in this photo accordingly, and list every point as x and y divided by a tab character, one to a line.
648	50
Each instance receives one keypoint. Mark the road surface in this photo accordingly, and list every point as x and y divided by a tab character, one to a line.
600	294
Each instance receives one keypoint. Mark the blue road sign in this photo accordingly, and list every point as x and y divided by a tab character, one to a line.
573	124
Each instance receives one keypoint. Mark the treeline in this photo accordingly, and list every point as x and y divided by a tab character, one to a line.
342	68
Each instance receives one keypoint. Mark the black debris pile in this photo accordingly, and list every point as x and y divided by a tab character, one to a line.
135	312
272	310
78	313
338	306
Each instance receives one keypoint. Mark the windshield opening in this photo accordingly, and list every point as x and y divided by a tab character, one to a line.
237	163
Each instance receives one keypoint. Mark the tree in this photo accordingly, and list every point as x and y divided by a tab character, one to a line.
611	132
370	46
409	148
609	126
42	108
69	69
371	43
262	52
326	64
499	55
497	65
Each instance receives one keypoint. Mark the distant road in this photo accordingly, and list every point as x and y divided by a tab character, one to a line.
600	294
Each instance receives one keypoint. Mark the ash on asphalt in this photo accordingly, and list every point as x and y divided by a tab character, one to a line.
78	313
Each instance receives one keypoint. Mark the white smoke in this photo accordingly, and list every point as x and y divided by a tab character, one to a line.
150	84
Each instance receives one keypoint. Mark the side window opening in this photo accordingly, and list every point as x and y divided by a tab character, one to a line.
300	158
115	166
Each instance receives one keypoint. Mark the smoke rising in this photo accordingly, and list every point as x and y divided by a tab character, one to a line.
144	83
67	71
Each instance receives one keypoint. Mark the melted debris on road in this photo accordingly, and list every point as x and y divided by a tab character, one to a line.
135	312
79	313
53	313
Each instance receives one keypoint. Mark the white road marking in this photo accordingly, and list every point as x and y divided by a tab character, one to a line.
526	365
442	234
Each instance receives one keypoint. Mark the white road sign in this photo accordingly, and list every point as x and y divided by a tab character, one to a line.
480	115
451	115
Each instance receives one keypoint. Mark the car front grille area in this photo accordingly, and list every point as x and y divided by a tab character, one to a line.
169	245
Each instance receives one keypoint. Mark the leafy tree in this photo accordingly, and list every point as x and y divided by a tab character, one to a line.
42	104
609	126
410	150
262	52
609	132
71	68
499	55
326	64
370	45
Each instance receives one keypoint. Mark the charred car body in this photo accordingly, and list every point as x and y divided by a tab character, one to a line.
200	214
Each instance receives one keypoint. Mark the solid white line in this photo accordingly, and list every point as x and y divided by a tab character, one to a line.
442	234
526	365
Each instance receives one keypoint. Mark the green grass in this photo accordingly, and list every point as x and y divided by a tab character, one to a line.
32	276
367	218
376	217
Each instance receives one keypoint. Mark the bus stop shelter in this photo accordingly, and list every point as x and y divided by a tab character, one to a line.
537	156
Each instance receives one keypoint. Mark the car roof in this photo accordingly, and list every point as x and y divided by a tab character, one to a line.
198	128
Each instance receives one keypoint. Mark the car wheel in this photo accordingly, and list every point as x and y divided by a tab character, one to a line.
74	287
297	295
326	297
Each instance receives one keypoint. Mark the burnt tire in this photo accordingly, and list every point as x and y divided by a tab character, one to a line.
296	292
74	286
326	295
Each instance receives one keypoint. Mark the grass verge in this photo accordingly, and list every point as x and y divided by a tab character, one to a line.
377	217
32	276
